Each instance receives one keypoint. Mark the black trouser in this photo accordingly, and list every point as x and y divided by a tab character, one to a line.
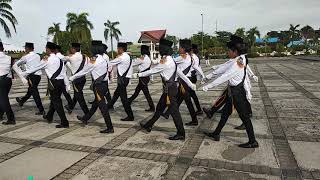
239	100
68	97
193	94
5	107
56	102
173	109
78	85
108	95
183	94
100	90
221	101
143	85
121	91
33	82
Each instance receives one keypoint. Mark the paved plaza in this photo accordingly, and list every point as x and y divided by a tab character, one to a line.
286	121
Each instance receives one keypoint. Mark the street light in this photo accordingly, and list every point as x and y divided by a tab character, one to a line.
202	36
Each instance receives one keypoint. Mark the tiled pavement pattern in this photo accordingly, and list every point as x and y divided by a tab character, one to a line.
286	119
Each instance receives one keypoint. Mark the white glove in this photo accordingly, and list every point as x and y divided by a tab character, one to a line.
24	81
24	74
194	87
135	75
205	88
203	81
68	88
71	79
255	78
214	67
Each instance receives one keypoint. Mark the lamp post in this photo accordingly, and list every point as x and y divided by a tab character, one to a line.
202	36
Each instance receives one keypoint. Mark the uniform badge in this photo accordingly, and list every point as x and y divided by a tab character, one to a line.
240	62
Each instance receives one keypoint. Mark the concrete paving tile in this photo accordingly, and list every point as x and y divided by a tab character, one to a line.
307	154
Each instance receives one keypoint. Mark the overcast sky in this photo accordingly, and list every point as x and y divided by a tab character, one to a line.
180	17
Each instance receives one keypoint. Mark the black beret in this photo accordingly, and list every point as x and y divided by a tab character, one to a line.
75	45
29	45
123	45
96	42
51	46
165	47
145	50
185	44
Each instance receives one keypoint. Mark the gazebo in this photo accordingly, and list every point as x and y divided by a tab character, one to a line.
152	38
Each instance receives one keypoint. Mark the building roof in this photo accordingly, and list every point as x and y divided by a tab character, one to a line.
295	43
269	40
154	35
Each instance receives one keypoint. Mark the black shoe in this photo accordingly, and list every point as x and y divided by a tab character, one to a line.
40	113
165	115
62	126
199	112
148	129
249	145
9	123
241	127
216	137
191	123
177	137
85	122
19	101
107	131
68	108
207	111
127	119
150	110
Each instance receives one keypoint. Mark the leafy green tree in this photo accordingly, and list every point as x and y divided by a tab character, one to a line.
80	28
223	37
294	32
54	31
241	33
6	16
112	31
252	34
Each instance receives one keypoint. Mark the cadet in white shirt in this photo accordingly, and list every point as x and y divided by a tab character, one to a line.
76	62
5	86
193	76
98	67
235	74
169	73
124	69
185	62
53	67
31	60
144	64
66	80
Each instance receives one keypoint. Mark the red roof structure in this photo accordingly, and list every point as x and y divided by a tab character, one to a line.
154	35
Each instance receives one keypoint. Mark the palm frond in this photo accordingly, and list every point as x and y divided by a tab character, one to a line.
10	20
5	27
5	6
106	34
3	11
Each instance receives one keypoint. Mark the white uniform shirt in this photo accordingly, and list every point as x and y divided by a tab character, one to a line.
74	61
31	60
51	65
106	57
183	63
97	69
166	71
5	65
196	66
233	72
123	63
143	63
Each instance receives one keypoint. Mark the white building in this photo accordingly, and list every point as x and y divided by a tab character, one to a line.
151	39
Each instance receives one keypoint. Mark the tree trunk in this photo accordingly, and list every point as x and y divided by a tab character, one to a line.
111	46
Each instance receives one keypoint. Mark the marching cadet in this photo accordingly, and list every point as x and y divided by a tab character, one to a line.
193	76
53	67
220	102
235	74
169	72
76	62
124	70
144	64
185	62
5	86
31	60
98	67
66	80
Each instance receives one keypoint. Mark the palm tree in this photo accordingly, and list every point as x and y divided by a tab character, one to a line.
6	15
80	28
54	31
112	31
252	34
294	32
241	33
